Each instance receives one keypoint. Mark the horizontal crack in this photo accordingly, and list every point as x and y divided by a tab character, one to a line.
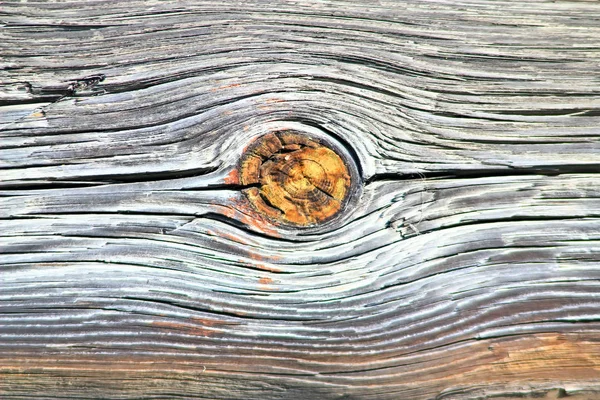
487	173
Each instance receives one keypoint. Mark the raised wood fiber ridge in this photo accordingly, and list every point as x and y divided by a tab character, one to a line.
462	262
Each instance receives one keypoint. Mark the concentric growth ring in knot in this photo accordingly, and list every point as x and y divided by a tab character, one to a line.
295	179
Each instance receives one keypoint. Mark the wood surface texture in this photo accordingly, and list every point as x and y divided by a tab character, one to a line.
464	265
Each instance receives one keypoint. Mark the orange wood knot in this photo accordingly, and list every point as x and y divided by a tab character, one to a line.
295	179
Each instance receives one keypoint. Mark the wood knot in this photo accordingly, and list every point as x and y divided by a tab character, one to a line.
295	179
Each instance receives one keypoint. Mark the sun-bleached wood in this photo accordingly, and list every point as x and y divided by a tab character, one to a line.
463	263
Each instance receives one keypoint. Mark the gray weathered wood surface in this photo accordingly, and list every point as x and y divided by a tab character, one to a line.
466	265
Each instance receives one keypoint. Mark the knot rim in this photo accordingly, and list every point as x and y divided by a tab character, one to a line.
250	187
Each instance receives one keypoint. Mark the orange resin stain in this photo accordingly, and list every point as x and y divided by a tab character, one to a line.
263	257
265	280
267	268
265	283
259	266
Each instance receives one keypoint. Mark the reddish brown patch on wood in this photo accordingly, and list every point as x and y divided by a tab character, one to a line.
187	328
262	267
208	322
233	238
260	224
265	283
233	177
265	280
262	257
241	211
267	268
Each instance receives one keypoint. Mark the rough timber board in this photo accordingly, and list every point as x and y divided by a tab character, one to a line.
465	266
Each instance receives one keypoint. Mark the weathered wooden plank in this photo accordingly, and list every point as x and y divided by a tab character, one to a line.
412	86
463	263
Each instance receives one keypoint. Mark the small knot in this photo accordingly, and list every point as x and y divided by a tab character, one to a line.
295	179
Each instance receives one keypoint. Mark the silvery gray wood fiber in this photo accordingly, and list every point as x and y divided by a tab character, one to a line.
465	265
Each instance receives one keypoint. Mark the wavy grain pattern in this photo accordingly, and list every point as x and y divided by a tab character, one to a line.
463	266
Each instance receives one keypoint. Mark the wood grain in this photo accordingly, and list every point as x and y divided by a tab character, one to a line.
462	264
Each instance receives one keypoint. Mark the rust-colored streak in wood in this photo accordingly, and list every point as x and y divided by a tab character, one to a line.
233	177
298	180
265	280
188	328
